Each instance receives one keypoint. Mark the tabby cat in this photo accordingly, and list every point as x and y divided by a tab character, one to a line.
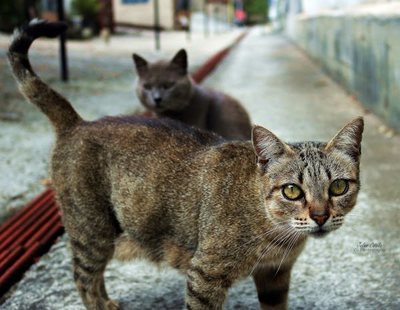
166	88
217	210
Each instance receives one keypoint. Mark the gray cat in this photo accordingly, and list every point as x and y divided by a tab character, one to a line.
166	88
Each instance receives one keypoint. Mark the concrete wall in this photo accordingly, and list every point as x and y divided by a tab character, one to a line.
315	6
143	13
360	48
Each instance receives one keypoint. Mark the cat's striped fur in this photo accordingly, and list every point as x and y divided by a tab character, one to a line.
157	189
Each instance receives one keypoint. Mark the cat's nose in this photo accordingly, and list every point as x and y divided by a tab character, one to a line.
157	101
319	216
319	219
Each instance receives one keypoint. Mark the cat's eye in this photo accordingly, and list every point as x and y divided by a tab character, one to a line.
147	85
338	187
292	192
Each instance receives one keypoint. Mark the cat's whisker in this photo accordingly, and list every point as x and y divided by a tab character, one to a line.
281	238
265	250
282	242
290	246
286	251
282	224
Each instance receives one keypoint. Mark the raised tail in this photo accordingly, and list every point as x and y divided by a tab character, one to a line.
60	112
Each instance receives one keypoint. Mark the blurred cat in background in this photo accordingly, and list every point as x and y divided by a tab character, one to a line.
166	88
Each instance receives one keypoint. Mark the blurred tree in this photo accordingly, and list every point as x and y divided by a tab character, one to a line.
88	10
13	13
257	11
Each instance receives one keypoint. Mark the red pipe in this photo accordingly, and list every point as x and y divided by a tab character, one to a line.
42	221
15	271
55	231
15	231
43	232
10	258
23	212
4	254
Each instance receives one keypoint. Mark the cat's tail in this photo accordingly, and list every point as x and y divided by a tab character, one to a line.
60	112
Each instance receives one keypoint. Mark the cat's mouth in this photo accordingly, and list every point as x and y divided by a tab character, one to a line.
156	108
319	233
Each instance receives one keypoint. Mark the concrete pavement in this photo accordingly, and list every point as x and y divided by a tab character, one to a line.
356	267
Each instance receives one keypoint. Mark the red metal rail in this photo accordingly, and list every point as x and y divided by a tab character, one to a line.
31	231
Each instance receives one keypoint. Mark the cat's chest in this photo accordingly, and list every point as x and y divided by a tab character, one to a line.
273	254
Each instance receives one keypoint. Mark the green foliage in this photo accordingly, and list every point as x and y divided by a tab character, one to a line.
11	14
88	9
257	10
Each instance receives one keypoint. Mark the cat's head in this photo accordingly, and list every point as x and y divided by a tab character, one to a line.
164	85
310	186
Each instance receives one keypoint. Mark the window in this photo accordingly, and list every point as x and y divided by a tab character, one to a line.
134	1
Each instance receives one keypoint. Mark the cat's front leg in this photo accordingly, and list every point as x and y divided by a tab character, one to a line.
272	287
206	289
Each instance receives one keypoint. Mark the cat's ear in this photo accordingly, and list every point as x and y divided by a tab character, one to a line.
348	139
180	60
140	63
267	146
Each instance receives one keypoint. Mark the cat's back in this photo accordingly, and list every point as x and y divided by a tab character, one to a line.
129	142
135	132
124	131
226	116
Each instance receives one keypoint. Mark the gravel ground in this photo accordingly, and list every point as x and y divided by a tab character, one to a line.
357	267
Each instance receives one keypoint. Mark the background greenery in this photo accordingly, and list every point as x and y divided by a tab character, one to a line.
257	11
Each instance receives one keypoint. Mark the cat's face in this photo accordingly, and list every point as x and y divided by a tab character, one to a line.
163	86
310	186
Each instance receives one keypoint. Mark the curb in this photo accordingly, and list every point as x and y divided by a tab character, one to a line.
31	232
210	65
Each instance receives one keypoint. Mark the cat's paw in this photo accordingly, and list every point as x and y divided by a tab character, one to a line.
112	305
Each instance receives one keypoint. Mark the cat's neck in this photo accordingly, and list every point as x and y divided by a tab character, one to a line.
194	111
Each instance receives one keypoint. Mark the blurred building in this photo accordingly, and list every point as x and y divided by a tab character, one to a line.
174	14
140	13
355	41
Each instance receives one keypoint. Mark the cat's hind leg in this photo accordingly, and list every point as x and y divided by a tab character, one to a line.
92	232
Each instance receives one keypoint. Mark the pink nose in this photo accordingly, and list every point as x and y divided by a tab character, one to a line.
319	219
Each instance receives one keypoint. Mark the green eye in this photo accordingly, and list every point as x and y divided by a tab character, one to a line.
338	187
292	192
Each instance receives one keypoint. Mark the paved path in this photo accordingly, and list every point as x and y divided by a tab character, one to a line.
287	93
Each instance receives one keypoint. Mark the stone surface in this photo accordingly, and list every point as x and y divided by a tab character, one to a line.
356	267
